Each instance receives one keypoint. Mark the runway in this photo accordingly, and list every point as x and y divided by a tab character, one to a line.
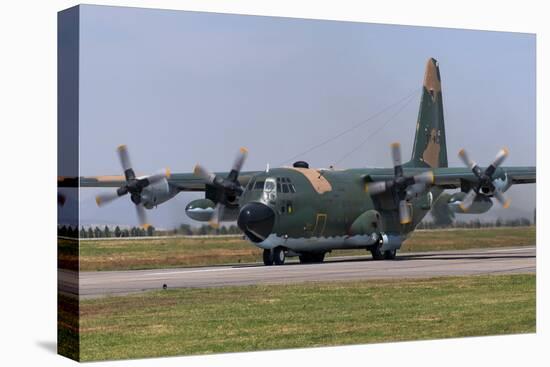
407	265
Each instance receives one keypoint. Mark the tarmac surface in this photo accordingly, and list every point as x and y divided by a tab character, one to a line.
407	265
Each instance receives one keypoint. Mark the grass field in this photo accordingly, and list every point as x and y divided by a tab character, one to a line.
175	252
216	320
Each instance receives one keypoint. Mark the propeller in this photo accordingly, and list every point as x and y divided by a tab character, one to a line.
134	185
485	179
403	188
228	188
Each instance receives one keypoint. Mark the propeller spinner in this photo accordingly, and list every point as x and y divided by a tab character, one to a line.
228	188
134	185
485	179
403	188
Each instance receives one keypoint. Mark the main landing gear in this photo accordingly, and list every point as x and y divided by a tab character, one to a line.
377	254
275	256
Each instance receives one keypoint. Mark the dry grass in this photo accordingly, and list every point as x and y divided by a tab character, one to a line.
177	252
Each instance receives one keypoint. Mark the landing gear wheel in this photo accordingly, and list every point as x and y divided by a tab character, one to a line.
268	257
390	254
377	254
279	256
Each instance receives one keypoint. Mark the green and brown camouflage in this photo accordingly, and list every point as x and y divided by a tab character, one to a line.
306	212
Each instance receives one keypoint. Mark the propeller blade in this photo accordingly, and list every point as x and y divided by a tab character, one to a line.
142	216
106	198
217	216
502	199
501	156
159	176
470	163
375	188
425	178
239	160
404	212
396	157
468	200
124	157
466	159
203	173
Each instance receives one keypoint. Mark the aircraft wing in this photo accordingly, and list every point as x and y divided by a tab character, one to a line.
452	177
182	181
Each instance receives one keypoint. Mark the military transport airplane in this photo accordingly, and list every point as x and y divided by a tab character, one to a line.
307	212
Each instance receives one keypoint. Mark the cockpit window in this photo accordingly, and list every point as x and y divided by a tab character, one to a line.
259	185
250	184
269	186
285	185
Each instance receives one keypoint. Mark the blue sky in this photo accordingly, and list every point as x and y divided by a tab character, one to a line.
184	87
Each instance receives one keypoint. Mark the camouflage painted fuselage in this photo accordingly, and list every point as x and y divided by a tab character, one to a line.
326	210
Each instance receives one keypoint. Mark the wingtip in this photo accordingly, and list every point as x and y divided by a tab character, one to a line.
243	150
121	147
98	200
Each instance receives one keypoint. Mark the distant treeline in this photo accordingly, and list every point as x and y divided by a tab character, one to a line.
476	223
106	232
205	229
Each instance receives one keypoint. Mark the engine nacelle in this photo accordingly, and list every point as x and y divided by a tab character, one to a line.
480	205
157	193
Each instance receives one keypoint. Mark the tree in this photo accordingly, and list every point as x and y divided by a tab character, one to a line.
97	232
117	231
83	233
90	232
106	232
185	229
150	231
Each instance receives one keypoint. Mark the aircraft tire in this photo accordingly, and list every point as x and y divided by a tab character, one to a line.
278	256
377	254
390	254
268	257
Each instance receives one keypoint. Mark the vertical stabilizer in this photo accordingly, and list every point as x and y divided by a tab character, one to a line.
430	147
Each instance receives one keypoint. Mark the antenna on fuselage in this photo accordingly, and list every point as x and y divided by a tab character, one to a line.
267	168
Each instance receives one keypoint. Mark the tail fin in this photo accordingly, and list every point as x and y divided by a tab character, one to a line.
430	146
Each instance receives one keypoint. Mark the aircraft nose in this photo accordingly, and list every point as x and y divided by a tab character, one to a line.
256	221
